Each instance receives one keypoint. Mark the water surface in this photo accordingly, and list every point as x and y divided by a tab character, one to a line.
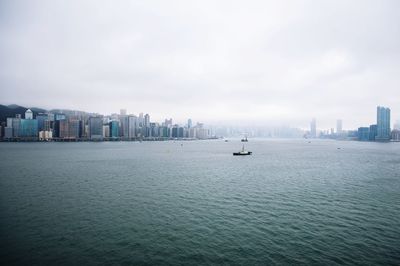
190	203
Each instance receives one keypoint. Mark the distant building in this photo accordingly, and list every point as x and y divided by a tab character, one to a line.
16	125
114	129
28	114
96	128
132	121
122	112
8	133
396	135
124	127
106	131
146	120
363	133
59	116
339	125
41	118
372	132
313	128
29	128
189	123
383	124
397	125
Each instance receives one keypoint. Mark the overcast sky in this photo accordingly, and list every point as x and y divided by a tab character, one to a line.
244	61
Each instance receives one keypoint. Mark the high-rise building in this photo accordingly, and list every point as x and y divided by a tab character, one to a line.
106	131
189	123
29	129
96	128
313	128
146	120
383	123
124	127
16	125
41	118
396	135
122	112
132	120
114	129
363	133
339	125
372	132
29	114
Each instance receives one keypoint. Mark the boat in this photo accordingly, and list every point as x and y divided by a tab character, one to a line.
242	152
245	139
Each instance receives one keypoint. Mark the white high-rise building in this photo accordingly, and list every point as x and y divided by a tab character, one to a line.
28	114
132	121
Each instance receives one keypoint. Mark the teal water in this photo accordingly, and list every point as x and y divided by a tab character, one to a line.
193	203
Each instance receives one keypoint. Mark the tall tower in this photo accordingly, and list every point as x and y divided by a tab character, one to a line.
313	128
383	123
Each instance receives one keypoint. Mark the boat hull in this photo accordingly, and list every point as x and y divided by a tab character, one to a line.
242	153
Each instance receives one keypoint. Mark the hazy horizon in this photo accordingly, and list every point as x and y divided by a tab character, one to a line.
278	63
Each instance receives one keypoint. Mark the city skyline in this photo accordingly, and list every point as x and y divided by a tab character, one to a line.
258	63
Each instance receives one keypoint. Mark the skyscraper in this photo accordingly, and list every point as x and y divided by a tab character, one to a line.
383	123
313	128
122	112
28	114
132	120
96	128
114	129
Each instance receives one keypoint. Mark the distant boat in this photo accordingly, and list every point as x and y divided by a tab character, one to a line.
245	139
242	152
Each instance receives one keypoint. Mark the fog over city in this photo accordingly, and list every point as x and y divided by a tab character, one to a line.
265	62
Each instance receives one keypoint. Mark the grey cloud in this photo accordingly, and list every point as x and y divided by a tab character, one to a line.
233	61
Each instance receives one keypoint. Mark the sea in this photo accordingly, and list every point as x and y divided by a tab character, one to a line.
292	202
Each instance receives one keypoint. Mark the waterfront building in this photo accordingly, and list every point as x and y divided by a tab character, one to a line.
313	128
114	129
372	132
41	118
132	121
16	125
363	133
75	128
62	129
8	133
29	129
396	135
164	132
45	135
146	120
96	128
383	124
124	127
29	114
106	131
